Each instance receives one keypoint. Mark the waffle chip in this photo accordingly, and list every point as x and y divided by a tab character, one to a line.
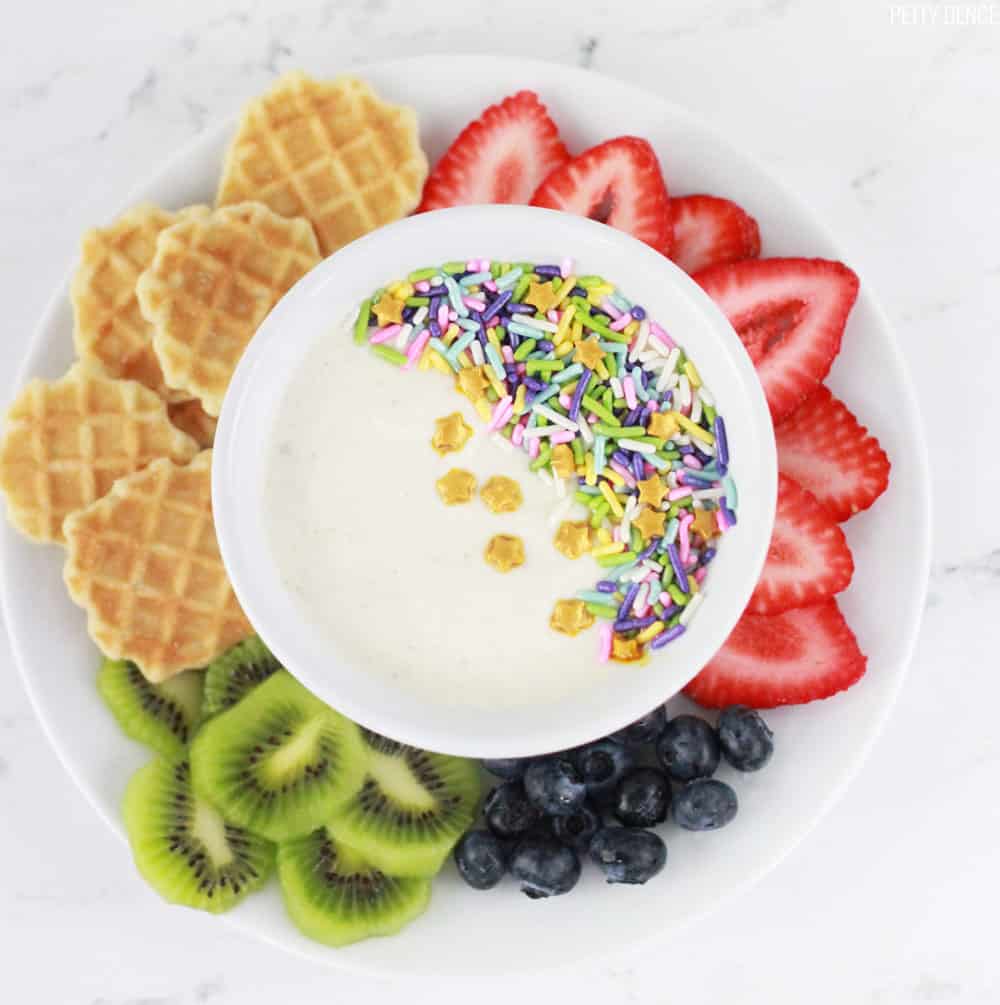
109	330
189	417
67	441
144	562
212	282
331	151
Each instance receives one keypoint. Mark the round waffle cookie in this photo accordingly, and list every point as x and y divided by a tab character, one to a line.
108	327
331	151
144	562
68	440
211	283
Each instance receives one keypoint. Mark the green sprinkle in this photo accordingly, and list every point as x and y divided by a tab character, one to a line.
573	370
361	325
616	432
452	267
497	269
419	275
667	577
603	611
578	453
524	350
676	595
600	512
588	282
388	353
491	395
613	336
599	410
618	403
522	287
556	283
589	321
417	301
544	365
612	365
610	561
583	498
542	459
636	540
710	413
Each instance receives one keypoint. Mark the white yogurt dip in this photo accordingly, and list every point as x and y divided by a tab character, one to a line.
375	559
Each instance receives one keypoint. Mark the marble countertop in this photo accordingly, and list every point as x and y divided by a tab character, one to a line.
883	116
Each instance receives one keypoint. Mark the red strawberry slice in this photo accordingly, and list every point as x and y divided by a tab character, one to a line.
784	659
790	315
711	231
618	182
827	451
500	157
808	559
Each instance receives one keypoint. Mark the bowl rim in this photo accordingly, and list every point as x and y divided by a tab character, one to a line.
262	376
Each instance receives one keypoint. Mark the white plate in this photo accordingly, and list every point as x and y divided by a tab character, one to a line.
819	747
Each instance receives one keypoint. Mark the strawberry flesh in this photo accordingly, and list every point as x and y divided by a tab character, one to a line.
824	448
785	659
808	559
790	315
618	182
711	231
500	157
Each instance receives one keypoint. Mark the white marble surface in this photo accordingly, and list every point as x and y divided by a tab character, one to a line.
889	130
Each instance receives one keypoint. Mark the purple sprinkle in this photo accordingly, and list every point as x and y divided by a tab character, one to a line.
630	595
435	328
547	270
545	345
675	561
638	467
516	308
685	449
721	443
497	305
578	291
606	586
638	312
632	418
621	457
670	610
702	456
648	551
513	339
481	335
707	555
408	312
534	384
668	398
646	413
581	390
630	624
432	307
668	636
723	469
730	516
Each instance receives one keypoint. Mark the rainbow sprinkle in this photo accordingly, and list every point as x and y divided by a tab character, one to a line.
609	410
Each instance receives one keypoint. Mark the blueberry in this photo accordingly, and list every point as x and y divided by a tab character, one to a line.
508	768
481	860
705	804
643	798
553	785
578	829
602	765
508	811
544	867
747	743
644	730
688	748
627	856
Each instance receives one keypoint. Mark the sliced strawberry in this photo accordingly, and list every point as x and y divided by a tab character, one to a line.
711	231
784	659
618	182
500	157
827	451
790	314
808	559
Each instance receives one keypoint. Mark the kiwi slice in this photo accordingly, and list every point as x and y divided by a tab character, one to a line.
236	672
163	716
183	848
410	811
336	897
279	762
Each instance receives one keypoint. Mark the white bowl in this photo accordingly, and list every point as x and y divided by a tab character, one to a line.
331	291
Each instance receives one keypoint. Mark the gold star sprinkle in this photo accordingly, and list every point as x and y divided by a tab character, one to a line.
541	296
652	490
570	617
450	433
589	353
472	383
704	523
625	650
649	523
458	486
388	310
504	552
501	494
662	425
562	460
572	538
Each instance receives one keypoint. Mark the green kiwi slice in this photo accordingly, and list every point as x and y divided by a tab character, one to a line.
336	897
410	811
235	673
279	762
163	716
183	848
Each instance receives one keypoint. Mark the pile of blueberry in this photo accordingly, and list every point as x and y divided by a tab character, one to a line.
549	813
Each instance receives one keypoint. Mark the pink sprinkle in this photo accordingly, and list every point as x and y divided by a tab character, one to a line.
384	334
553	316
620	323
616	532
674	494
628	386
721	521
493	322
422	287
650	577
566	267
648	469
609	308
661	335
684	539
653	406
517	437
484	265
562	437
416	349
499	408
565	400
692	462
624	472
592	419
443	317
534	447
472	265
452	315
507	353
604	641
474	304
700	574
490	285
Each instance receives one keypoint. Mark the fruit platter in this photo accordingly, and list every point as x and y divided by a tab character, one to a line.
241	792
